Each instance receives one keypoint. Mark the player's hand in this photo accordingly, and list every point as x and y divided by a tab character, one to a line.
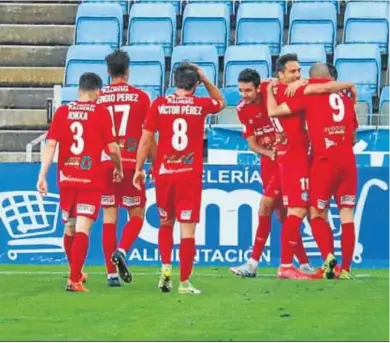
272	154
42	186
117	175
138	179
293	87
202	75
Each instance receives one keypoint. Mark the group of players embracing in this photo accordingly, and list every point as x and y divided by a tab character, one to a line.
107	135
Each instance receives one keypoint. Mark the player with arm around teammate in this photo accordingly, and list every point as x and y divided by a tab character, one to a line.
82	129
260	134
128	107
331	121
179	120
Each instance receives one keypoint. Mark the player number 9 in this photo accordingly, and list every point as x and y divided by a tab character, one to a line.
179	138
337	104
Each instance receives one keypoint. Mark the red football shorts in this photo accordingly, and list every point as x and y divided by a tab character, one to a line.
179	198
294	178
270	176
335	175
79	202
122	194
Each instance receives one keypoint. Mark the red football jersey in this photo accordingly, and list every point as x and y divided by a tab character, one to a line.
83	130
180	124
128	107
291	134
256	122
331	120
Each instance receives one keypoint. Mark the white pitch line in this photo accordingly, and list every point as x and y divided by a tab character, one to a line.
16	272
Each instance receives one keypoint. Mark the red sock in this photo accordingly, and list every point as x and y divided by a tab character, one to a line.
262	233
109	246
347	245
323	235
165	243
79	254
130	233
300	251
290	236
68	242
187	255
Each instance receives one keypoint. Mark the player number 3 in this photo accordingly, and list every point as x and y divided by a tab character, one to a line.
337	105
179	138
78	145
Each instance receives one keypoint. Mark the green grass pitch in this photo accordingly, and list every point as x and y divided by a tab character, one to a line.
35	307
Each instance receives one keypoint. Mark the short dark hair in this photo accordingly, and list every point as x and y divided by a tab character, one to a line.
118	63
283	60
332	71
90	82
250	75
186	76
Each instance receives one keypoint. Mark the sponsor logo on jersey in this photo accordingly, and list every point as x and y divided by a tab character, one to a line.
108	200
322	204
85	209
131	201
348	200
186	215
305	196
163	213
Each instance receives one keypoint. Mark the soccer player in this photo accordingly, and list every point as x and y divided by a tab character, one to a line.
331	120
82	129
128	107
179	120
260	134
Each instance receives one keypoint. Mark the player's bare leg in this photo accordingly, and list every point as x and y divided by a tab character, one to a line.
187	256
347	241
323	235
70	230
165	244
263	230
129	234
79	254
289	240
109	239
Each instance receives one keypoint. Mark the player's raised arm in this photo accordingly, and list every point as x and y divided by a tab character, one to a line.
213	91
275	110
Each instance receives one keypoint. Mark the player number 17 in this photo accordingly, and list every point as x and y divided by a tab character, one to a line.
125	110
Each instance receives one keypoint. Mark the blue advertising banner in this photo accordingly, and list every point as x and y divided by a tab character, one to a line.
31	229
228	146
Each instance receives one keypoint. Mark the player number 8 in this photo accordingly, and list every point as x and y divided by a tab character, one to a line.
337	104
179	138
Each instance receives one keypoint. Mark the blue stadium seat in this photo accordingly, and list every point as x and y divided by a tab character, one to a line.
228	3
359	63
205	56
240	57
260	23
366	22
153	94
232	96
335	3
200	91
86	58
313	23
205	24
99	24
384	100
153	24
147	66
364	106
69	94
123	3
177	4
282	3
307	55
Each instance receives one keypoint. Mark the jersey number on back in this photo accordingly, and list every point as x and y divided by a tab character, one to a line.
179	138
77	146
125	110
337	104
